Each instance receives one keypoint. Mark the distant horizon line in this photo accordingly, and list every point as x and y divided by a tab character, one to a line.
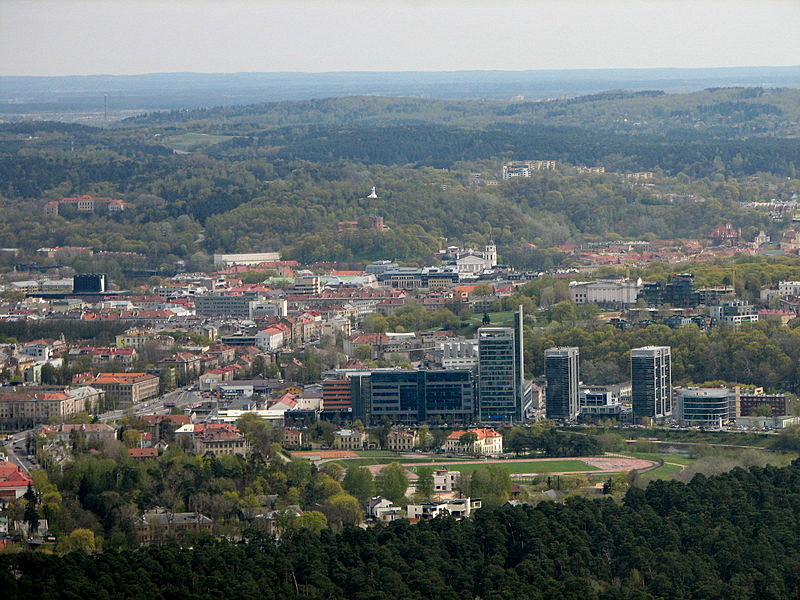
414	71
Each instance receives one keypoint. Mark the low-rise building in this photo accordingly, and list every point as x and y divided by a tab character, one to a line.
143	453
779	422
220	441
14	482
350	439
458	508
270	338
444	481
734	313
703	407
26	407
486	442
383	510
161	525
127	388
401	440
293	439
606	292
186	364
748	400
91	432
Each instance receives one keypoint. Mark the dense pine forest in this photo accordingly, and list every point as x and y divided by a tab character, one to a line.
727	536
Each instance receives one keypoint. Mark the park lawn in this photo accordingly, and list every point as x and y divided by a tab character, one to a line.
521	466
665	471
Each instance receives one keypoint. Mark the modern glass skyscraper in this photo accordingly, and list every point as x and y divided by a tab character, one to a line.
504	395
651	382
561	369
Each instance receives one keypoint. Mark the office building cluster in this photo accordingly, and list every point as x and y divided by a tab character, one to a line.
495	393
650	391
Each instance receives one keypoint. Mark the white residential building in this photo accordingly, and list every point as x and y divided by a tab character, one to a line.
458	508
444	481
270	338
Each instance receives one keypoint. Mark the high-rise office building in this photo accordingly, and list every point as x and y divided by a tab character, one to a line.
504	396
651	382
561	370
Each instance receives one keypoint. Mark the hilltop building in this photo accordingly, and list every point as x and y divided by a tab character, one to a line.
85	204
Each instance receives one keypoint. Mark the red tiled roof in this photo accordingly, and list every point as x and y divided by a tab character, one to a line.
12	476
482	433
143	452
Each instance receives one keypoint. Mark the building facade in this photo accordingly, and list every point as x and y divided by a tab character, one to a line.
561	369
127	388
504	396
21	408
411	397
651	382
703	407
606	292
401	440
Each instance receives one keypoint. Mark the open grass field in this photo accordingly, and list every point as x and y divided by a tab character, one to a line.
665	471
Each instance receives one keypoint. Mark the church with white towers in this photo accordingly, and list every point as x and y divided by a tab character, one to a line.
470	261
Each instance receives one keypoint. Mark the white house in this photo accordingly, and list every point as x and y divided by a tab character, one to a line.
382	510
458	508
445	481
270	338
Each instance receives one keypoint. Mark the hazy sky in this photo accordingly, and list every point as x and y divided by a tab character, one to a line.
65	37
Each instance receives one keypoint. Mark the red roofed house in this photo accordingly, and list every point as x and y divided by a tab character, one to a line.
487	442
142	453
14	481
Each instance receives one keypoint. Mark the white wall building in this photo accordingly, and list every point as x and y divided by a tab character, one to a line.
605	291
458	508
270	338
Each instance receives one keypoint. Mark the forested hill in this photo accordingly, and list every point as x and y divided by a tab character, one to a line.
285	176
727	112
724	537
